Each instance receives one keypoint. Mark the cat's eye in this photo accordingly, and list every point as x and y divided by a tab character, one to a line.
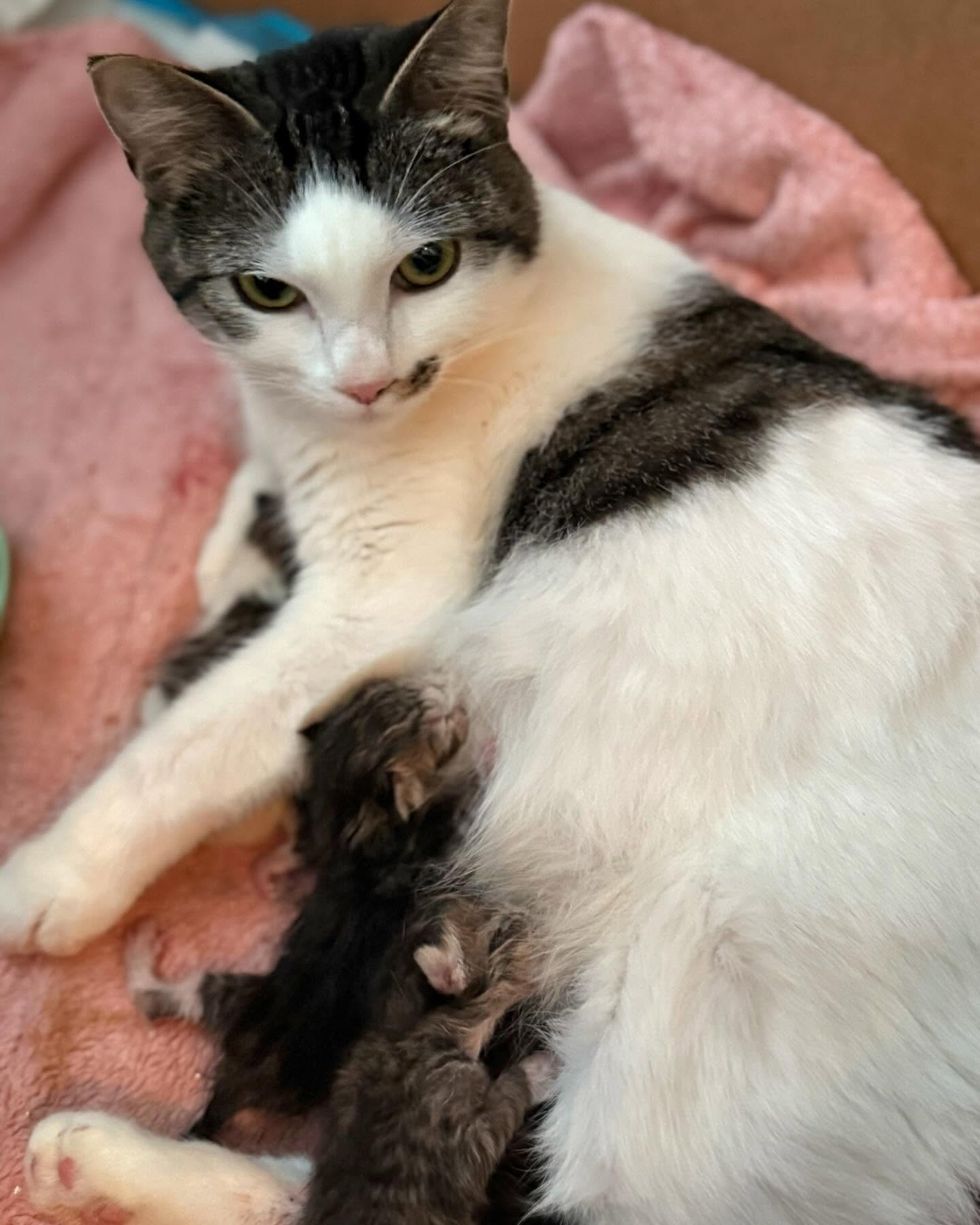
428	265
266	292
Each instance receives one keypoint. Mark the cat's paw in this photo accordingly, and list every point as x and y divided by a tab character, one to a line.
46	905
101	1170
76	1167
541	1070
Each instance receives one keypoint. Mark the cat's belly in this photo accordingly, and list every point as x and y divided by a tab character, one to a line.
744	818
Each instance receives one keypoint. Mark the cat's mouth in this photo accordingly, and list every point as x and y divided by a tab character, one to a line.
370	403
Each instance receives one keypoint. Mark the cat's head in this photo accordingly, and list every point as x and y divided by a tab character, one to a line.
344	218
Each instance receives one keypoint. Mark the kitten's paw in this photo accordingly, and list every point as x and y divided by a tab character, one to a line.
541	1070
76	1167
46	905
282	876
399	735
157	998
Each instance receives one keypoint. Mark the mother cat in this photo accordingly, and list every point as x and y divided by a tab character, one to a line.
713	589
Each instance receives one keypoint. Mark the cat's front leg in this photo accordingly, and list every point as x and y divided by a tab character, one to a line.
92	1166
230	743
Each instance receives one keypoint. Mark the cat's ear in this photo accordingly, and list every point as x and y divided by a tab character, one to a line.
170	124
458	66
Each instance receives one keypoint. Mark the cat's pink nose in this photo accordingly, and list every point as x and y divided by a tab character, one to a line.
365	393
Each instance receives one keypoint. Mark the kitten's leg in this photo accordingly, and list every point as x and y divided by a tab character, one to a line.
155	997
206	999
102	1166
505	1107
283	875
211	1000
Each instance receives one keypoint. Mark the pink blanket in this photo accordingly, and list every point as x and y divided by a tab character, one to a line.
117	437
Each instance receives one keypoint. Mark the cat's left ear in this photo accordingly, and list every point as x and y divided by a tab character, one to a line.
458	66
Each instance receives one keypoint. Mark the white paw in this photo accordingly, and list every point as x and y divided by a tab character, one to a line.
108	1171
541	1070
82	1163
48	905
152	706
245	572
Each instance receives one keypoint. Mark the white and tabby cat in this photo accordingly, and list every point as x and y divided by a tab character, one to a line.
712	590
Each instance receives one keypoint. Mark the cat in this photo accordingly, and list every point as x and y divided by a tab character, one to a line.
710	596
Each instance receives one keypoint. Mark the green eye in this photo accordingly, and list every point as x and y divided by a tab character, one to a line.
429	265
265	292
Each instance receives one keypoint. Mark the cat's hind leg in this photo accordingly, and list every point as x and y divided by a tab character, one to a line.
233	560
93	1166
207	999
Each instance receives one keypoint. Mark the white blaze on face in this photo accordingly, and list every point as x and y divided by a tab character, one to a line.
357	328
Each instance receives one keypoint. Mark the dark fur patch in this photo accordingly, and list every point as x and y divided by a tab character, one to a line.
719	374
422	377
191	658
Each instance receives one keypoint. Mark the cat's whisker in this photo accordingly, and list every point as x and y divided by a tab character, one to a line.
408	169
465	382
452	165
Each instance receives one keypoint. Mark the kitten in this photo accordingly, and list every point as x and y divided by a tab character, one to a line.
711	589
416	1125
380	813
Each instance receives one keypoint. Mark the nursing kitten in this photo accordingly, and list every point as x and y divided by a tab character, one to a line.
710	590
416	1125
378	816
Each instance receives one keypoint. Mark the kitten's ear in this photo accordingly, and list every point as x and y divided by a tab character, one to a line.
169	123
458	66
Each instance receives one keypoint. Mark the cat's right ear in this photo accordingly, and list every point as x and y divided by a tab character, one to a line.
170	123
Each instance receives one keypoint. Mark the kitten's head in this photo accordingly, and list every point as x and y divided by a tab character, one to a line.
344	218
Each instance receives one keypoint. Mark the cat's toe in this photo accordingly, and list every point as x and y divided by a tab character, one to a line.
68	1169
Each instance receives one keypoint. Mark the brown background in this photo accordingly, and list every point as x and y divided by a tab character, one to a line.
902	75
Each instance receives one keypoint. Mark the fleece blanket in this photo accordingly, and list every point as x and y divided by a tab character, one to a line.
117	436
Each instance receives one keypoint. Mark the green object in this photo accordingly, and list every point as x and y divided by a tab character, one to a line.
4	575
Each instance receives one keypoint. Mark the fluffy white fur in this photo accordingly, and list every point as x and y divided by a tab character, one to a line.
736	779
